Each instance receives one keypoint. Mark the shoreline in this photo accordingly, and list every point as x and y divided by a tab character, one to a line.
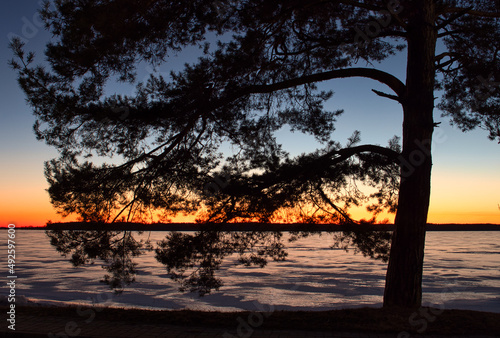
285	227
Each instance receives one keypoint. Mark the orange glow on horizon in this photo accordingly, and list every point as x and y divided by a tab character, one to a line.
30	206
40	216
27	207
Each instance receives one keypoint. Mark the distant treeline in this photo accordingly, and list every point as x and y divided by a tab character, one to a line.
253	227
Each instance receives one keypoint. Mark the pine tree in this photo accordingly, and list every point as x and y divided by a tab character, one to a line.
241	91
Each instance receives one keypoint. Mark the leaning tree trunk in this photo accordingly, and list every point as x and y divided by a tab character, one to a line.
404	273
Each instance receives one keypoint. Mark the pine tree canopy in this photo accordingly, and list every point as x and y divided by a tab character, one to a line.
259	67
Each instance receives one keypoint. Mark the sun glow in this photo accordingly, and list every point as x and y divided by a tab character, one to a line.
472	201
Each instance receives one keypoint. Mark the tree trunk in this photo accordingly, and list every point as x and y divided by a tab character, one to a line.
404	273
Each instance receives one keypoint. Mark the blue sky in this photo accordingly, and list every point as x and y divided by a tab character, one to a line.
465	182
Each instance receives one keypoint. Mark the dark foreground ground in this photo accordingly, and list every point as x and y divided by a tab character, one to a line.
44	321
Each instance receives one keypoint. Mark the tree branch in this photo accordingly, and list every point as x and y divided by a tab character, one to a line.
348	152
389	96
335	207
443	55
393	33
283	174
455	16
383	77
358	4
471	12
389	80
446	33
440	66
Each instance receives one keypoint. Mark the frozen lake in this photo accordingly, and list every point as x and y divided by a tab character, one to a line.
461	272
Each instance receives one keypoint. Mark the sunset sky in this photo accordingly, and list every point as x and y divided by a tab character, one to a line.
465	181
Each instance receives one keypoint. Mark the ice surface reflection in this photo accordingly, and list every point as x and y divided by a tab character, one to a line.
462	273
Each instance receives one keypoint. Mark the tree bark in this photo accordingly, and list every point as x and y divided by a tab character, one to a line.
404	273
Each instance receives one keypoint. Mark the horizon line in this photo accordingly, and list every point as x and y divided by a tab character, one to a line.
252	226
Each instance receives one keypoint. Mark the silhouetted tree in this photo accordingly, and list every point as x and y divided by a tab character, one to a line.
115	249
193	259
244	89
